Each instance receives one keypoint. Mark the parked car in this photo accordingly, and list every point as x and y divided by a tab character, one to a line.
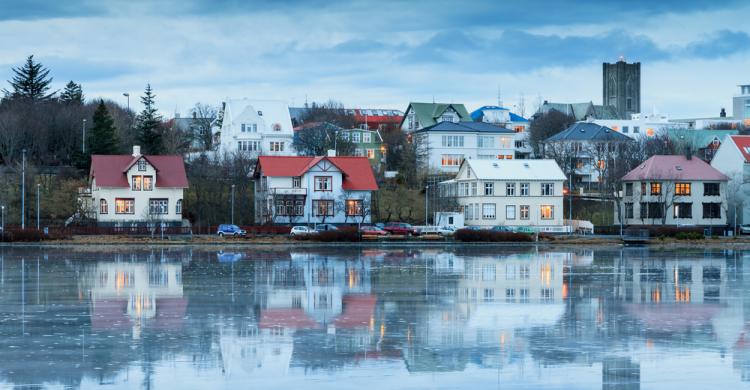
400	228
744	229
301	231
322	227
372	231
443	231
230	230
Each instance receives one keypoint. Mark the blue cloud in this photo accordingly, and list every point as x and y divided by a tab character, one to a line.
82	70
721	44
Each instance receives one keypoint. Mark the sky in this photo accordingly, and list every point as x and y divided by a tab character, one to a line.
384	54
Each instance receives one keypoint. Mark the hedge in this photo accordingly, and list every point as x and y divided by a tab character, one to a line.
469	235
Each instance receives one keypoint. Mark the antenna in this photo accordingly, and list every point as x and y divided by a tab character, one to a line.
499	96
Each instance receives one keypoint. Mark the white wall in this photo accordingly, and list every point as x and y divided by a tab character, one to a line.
470	149
274	125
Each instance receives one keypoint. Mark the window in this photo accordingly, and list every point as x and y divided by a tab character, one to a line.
524	189
510	212
655	210
359	152
711	189
323	183
489	189
683	210
643	188
488	211
446	118
711	210
547	211
280	208
148	183
158	206
248	146
371	153
548	189
505	142
636	129
178	207
628	189
124	206
524	211
296	182
299	207
356	137
242	128
450	141
277	146
354	207
519	144
137	183
484	141
644	210
463	189
628	210
510	189
625	129
345	136
323	208
103	206
682	189
655	188
366	137
519	129
451	160
142	165
474	189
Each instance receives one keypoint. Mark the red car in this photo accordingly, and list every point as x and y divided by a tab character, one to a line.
372	231
400	228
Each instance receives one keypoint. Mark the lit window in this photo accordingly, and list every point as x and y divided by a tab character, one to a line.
682	189
451	160
124	206
354	207
148	183
137	183
547	211
371	153
103	206
323	208
323	183
655	188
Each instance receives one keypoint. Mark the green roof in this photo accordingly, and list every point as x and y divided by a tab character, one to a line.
699	137
428	113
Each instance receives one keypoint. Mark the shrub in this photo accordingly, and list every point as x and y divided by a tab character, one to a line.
469	235
341	235
688	236
27	235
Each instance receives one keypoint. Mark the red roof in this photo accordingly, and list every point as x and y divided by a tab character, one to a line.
286	318
358	310
357	171
743	144
111	170
674	168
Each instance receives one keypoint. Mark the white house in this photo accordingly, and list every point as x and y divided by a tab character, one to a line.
503	117
509	193
733	159
641	125
128	190
673	190
421	115
310	190
255	127
444	146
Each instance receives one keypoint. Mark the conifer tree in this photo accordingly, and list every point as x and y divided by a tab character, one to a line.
30	82
72	94
103	136
148	125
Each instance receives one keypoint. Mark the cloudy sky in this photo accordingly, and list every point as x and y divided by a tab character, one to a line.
384	53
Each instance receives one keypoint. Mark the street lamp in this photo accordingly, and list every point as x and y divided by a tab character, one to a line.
2	218
127	95
37	205
83	139
232	204
23	190
426	205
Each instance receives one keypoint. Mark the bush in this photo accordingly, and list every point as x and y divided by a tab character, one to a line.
341	235
27	235
469	235
688	236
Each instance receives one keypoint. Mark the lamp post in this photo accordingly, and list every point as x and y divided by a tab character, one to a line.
232	204
426	204
2	218
83	139
23	190
37	205
127	95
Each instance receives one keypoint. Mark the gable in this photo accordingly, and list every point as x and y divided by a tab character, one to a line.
325	166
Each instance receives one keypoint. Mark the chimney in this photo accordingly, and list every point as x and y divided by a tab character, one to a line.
136	150
331	152
688	153
723	113
195	115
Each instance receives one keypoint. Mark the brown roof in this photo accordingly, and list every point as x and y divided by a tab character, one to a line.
674	168
111	170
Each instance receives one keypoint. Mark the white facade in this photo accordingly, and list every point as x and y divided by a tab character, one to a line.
316	196
256	127
731	162
641	125
678	203
508	193
447	149
501	116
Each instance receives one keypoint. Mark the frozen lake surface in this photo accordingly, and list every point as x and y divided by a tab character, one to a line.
333	318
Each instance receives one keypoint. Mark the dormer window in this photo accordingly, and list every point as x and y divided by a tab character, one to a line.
260	113
142	165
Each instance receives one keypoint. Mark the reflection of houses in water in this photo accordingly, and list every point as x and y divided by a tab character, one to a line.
477	319
125	295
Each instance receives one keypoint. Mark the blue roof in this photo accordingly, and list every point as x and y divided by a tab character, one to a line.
587	131
479	113
469	127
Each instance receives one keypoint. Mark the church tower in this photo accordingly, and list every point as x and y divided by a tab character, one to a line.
621	86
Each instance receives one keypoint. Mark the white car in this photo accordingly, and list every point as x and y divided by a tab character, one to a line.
301	231
744	229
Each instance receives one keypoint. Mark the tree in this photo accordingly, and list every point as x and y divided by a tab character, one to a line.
30	82
318	139
103	135
148	125
330	111
72	94
203	118
546	125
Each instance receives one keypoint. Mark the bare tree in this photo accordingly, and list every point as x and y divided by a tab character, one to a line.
204	117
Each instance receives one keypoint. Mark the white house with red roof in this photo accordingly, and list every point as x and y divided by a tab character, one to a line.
673	190
312	190
732	158
132	189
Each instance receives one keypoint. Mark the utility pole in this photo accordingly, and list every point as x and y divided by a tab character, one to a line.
426	204
232	204
37	205
83	139
23	190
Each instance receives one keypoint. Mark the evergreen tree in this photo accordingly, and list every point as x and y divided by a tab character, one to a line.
148	125
72	94
103	136
30	82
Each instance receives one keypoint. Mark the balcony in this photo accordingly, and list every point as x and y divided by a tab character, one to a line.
288	191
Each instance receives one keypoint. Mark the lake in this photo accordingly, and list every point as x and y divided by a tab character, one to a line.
478	317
